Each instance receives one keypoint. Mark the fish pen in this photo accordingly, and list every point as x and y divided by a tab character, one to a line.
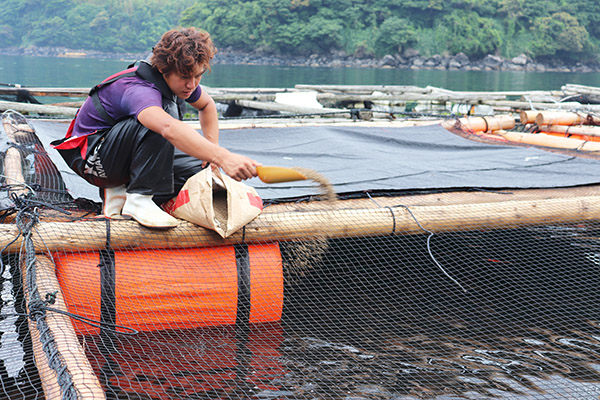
414	264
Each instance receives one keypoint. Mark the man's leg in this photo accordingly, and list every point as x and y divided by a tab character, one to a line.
130	155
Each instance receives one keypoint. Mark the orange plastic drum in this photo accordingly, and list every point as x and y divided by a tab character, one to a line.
174	288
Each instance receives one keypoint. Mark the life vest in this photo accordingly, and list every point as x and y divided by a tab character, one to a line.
170	103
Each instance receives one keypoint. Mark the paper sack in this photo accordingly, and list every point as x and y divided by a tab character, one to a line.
215	201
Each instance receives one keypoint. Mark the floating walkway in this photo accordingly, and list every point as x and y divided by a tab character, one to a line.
366	102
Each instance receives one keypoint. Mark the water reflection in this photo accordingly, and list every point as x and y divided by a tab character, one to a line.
210	363
392	326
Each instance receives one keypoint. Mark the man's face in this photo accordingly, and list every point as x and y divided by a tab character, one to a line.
183	86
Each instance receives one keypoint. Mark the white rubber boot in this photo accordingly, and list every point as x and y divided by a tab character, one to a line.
145	211
114	199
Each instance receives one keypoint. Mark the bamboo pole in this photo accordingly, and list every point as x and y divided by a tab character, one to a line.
12	163
363	88
14	172
525	105
528	116
559	118
302	224
227	97
291	109
40	91
212	90
67	344
488	124
581	89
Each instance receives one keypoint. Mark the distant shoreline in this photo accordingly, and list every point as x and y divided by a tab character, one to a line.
410	59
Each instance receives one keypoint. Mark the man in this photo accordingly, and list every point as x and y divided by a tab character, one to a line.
128	137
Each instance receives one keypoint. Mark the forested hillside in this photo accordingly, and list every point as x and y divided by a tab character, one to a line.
541	29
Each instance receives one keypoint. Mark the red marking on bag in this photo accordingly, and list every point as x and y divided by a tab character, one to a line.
255	201
182	198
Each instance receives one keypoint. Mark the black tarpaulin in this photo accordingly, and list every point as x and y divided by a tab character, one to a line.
358	158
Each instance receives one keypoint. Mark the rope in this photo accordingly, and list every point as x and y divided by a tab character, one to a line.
26	219
431	234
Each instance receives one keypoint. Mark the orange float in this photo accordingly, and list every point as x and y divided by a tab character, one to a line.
175	288
572	130
567	135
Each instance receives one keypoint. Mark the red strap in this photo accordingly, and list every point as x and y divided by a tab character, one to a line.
119	74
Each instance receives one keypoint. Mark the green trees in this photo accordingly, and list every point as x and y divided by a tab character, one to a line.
472	34
558	34
103	25
539	28
395	34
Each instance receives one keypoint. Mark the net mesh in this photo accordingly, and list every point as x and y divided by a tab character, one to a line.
436	295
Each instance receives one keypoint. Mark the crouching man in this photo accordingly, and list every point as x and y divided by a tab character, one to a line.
129	140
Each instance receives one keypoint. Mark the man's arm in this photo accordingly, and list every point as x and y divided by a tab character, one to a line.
208	116
186	139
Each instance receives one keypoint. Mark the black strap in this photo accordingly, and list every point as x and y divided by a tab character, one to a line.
101	110
151	74
96	100
242	259
108	300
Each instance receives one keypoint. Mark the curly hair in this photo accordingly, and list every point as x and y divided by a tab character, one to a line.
181	50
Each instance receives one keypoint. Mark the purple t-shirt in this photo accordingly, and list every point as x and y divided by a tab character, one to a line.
126	97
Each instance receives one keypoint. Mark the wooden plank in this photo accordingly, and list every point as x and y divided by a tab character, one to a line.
38	108
40	91
259	105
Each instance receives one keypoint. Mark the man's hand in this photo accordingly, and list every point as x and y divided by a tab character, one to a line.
238	167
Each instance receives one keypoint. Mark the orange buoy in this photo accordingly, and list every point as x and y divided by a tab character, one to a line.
585	138
572	130
176	288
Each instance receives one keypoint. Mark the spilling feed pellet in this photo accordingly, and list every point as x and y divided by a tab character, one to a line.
303	256
299	257
325	186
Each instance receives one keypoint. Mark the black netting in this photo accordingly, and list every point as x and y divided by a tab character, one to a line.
423	294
